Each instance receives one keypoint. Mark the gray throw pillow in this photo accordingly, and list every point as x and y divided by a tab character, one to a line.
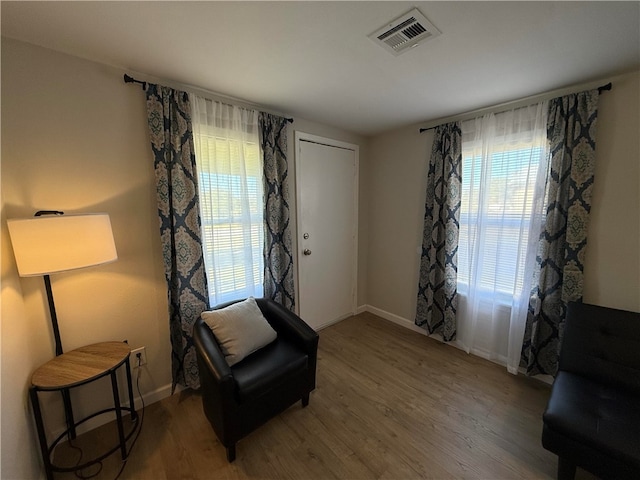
240	329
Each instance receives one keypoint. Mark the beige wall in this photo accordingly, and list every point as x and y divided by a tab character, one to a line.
74	138
397	173
612	265
397	183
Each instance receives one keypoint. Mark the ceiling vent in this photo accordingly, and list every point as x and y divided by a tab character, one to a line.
405	32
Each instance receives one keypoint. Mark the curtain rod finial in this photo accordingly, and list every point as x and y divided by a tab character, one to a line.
604	87
130	79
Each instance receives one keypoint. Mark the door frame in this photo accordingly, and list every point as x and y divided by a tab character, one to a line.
308	137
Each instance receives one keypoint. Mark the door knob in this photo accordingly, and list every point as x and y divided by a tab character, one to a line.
306	251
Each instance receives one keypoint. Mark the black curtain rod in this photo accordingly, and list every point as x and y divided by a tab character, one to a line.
601	89
130	79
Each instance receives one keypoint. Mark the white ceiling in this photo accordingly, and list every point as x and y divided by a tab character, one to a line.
314	60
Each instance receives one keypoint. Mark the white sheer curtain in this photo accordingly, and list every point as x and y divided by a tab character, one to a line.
504	168
229	165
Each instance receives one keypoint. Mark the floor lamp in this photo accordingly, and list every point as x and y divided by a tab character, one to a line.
51	242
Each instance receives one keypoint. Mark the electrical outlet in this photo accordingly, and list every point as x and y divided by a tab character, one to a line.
142	352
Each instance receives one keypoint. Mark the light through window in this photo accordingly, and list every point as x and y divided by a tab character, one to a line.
231	200
498	193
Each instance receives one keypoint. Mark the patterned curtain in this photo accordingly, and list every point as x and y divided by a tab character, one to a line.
437	288
169	116
278	256
571	132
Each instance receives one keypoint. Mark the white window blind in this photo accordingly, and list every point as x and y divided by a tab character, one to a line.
502	213
231	198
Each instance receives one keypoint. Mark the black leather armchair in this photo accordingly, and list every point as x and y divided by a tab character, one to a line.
592	419
238	399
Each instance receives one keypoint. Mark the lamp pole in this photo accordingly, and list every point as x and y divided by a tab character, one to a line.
66	396
54	317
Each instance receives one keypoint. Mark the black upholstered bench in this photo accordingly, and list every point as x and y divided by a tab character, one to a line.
593	416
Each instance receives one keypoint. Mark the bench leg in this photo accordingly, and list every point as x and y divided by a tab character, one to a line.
305	400
231	453
566	469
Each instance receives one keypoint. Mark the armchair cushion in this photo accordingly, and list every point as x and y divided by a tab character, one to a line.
240	329
267	369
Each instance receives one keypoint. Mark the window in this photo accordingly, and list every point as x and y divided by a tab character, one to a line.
501	158
231	198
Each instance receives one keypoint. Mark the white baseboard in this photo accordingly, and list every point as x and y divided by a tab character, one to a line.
412	326
333	322
394	318
156	395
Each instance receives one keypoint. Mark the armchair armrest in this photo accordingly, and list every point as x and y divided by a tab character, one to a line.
210	354
289	324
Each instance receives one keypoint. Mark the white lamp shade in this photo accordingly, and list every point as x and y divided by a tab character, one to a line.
57	243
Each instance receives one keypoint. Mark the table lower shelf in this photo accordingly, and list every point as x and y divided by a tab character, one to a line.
65	453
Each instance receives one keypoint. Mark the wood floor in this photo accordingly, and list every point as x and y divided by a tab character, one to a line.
389	404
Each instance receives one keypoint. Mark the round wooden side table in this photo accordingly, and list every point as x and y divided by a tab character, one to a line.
79	367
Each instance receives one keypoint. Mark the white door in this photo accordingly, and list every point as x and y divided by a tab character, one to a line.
327	186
